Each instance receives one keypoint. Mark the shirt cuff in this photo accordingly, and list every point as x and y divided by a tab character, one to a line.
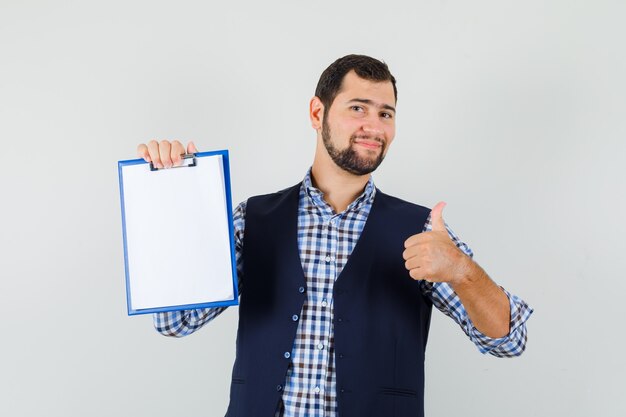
512	344
185	322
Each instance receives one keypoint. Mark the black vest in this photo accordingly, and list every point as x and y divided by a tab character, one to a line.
381	317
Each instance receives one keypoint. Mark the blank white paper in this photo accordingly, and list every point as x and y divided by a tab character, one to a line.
177	234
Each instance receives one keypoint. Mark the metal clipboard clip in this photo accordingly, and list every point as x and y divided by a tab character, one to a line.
189	160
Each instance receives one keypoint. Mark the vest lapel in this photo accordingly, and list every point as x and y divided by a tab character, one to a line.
288	232
360	260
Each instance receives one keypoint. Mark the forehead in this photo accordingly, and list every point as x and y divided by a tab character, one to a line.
354	86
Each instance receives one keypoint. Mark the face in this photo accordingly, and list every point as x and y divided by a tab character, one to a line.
360	124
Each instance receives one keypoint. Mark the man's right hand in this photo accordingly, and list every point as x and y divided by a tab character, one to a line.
164	154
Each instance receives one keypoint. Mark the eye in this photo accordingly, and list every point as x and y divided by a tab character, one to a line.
356	108
386	115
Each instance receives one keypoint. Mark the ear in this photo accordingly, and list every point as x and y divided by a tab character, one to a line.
316	113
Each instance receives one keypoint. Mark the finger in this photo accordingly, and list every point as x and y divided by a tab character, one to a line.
165	147
191	148
413	263
142	152
417	274
436	217
416	240
176	153
411	252
153	149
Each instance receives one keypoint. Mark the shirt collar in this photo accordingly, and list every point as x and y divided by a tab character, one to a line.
317	196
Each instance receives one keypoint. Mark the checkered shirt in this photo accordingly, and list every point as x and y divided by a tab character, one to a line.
326	240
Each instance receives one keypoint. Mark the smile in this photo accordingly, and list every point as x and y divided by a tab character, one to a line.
368	143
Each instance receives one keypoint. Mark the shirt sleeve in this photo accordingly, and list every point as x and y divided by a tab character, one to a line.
447	301
185	322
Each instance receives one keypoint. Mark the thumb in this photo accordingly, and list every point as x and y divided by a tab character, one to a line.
436	218
191	148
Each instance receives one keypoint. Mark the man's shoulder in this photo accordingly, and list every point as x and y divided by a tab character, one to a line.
399	215
276	194
272	200
395	203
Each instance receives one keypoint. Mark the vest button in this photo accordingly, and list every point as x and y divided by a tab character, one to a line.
294	317
301	290
287	355
339	319
341	356
279	388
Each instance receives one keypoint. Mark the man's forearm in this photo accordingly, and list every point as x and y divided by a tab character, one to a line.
486	303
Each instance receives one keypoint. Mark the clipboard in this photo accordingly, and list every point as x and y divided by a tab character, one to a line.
177	225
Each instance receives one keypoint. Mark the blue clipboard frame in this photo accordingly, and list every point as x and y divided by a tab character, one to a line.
229	210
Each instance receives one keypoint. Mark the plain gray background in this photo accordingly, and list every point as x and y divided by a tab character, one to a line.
512	112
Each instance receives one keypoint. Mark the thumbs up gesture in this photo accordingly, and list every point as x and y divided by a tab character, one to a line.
433	256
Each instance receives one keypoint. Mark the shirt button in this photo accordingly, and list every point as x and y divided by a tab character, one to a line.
294	317
317	390
324	303
301	290
327	258
279	387
287	355
320	346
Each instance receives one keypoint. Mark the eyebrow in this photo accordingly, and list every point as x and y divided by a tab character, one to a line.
370	102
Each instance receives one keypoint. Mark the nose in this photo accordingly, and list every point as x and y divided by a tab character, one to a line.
373	128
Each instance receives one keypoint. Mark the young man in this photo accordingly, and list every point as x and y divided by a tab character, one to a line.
337	279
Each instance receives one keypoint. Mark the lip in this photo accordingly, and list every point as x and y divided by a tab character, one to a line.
369	144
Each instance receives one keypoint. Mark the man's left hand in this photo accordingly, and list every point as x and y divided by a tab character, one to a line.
433	256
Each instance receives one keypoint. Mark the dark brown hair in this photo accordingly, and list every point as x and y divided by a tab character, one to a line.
364	66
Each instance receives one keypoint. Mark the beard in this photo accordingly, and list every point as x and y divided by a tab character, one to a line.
349	159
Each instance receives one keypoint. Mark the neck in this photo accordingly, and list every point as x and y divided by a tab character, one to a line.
340	187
